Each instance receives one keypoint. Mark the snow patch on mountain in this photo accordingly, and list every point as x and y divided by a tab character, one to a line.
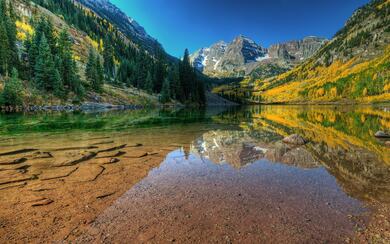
262	58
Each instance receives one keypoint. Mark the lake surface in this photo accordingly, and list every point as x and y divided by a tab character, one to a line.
222	175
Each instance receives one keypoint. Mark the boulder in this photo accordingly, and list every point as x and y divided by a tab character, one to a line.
382	134
295	140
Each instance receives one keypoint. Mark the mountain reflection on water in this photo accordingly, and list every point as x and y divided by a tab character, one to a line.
340	139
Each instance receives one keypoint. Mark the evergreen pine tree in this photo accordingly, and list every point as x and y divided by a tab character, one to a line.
12	94
9	20
108	56
94	72
185	77
175	82
149	83
2	8
32	49
11	11
190	88
48	29
47	77
90	68
160	71
97	85
165	92
4	48
201	93
76	85
64	52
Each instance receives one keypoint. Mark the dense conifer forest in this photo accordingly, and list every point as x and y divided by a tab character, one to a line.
45	62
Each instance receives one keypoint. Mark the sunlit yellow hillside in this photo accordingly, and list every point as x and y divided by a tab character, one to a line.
366	81
353	67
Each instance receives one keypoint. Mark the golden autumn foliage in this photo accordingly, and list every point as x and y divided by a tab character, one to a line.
354	80
384	4
21	36
23	30
93	43
76	57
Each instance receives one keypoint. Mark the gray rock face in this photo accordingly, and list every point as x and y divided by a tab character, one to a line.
297	50
209	58
243	56
295	140
240	52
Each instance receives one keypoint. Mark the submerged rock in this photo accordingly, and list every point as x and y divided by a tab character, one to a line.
113	148
13	161
18	152
382	134
42	202
387	144
105	195
57	173
295	140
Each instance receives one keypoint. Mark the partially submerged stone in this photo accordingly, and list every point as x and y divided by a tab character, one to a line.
42	202
13	176
111	154
57	173
136	154
86	173
102	143
13	185
75	148
382	134
83	158
295	139
13	161
18	152
111	149
105	195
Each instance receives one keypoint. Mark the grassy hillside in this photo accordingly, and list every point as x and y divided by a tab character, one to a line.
353	67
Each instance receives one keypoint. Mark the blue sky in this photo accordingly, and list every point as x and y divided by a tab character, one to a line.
192	24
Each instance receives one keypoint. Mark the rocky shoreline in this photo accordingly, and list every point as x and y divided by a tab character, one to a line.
70	107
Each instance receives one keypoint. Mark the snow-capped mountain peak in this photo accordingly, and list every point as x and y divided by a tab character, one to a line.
243	55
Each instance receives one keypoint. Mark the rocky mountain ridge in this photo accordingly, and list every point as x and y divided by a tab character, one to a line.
124	23
297	51
243	56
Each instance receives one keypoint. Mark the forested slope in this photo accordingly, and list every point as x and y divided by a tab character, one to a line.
60	51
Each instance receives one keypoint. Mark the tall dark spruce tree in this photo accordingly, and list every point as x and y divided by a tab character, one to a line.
46	76
9	58
4	47
191	90
67	66
94	72
108	56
